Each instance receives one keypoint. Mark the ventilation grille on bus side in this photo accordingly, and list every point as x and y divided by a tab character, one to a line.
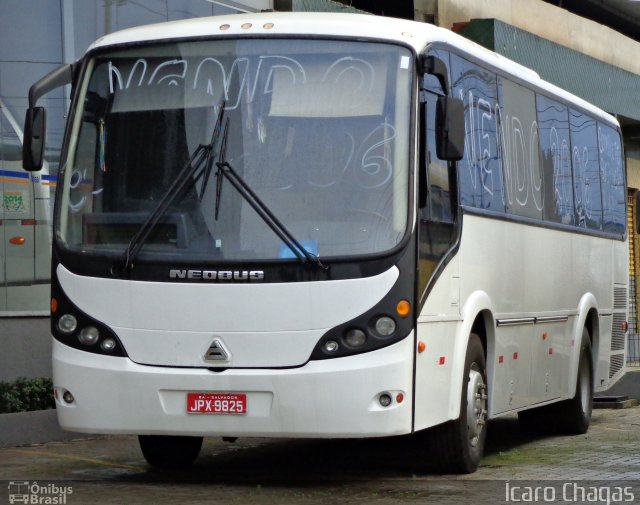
619	298
616	364
618	334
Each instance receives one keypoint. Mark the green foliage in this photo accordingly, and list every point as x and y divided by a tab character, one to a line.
23	395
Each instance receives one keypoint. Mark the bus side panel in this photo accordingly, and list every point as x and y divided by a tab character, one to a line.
437	368
537	279
518	275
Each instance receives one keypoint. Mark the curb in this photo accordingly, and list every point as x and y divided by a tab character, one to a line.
39	426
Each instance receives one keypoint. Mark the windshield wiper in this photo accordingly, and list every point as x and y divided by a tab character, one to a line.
227	171
202	157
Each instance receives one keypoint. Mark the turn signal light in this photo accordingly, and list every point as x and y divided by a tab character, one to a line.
403	308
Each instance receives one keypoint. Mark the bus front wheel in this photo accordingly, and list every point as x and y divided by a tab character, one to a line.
163	451
457	446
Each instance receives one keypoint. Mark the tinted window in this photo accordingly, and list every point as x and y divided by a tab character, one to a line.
519	142
555	154
612	179
586	170
479	172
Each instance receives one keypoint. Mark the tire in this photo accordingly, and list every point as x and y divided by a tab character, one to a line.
574	416
163	451
457	446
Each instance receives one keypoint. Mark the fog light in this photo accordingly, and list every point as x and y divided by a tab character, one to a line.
67	324
89	335
385	399
331	346
385	326
108	344
355	337
68	397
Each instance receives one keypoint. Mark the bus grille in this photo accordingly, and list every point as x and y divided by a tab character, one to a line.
616	364
619	298
617	332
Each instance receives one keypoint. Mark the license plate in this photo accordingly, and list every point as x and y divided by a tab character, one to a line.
217	403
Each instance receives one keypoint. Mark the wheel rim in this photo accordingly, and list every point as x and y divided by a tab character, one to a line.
476	405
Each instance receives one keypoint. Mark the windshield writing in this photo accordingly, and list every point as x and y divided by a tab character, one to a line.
318	129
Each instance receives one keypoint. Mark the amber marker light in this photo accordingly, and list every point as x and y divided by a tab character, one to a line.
54	305
421	347
403	308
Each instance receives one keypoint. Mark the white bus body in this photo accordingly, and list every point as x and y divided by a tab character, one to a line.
508	295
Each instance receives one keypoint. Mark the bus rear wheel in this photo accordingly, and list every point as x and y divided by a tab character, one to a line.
575	414
457	446
164	451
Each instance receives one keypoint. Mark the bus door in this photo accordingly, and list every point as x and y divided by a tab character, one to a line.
18	221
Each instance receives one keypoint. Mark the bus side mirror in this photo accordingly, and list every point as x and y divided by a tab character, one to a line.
450	128
34	134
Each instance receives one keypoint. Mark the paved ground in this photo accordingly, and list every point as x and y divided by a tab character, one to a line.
112	470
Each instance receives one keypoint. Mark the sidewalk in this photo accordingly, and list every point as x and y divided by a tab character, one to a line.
629	385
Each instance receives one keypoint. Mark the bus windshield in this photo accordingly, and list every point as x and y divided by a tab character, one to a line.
318	129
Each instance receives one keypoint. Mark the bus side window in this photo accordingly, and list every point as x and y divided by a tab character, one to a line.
586	170
555	156
480	178
612	179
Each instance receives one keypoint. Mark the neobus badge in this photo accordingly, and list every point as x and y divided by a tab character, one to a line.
221	275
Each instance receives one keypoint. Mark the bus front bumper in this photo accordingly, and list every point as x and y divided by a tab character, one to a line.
333	398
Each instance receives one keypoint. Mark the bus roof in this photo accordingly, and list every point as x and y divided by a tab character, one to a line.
411	33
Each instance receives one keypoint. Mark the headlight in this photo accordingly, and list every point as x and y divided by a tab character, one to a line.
385	326
108	344
355	337
67	324
89	335
331	346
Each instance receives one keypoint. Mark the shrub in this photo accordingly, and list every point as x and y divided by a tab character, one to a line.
24	394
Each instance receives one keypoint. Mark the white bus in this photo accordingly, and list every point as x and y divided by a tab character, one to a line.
25	227
329	226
